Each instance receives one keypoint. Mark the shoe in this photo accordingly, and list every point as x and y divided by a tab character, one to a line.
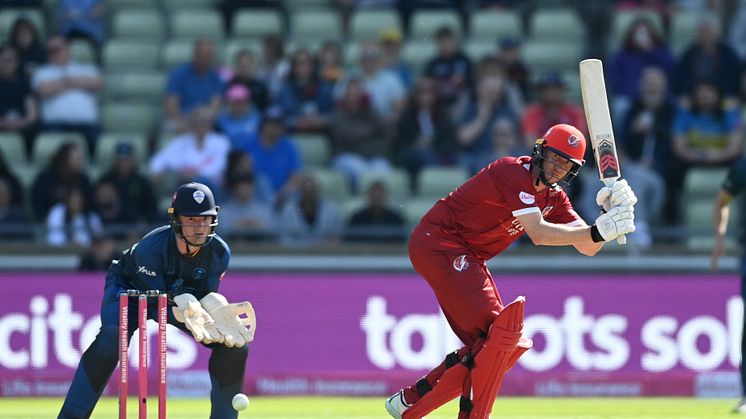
396	406
740	407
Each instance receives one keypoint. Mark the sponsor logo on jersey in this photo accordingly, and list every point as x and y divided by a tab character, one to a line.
526	198
573	141
460	263
144	270
199	273
546	210
198	196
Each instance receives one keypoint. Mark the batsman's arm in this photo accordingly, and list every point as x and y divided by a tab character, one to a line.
543	233
720	215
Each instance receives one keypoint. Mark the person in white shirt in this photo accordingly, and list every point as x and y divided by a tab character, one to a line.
68	93
198	155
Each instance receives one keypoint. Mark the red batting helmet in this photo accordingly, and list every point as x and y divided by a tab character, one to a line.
563	140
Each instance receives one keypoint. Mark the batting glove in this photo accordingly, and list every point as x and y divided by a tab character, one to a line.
614	223
237	330
618	195
197	320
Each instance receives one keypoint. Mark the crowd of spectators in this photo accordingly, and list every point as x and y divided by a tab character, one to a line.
233	126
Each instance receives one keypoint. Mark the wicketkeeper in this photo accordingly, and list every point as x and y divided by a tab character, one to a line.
477	221
186	260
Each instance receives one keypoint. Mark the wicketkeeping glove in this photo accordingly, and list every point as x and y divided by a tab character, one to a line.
229	320
618	195
614	223
189	311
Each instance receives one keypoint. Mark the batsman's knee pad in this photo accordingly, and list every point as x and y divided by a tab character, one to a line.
499	352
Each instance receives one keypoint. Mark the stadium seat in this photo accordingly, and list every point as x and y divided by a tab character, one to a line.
438	181
542	56
368	24
26	175
424	23
315	149
130	4
234	45
129	117
476	49
194	24
107	144
558	25
12	148
491	25
82	51
316	25
703	182
397	184
138	24
622	19
333	184
350	207
9	15
124	55
176	5
137	85
306	4
417	54
414	209
179	51
683	30
47	143
255	23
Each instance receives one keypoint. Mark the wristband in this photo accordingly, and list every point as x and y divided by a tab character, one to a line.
596	235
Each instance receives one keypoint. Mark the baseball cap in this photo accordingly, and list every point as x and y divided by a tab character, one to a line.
551	79
123	149
237	92
390	34
274	113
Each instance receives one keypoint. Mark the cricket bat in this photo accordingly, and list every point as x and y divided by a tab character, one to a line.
596	106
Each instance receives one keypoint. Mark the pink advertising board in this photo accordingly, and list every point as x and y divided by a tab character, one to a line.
369	334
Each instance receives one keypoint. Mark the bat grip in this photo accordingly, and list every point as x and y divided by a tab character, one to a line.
621	240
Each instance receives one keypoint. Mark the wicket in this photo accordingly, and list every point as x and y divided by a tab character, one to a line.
142	373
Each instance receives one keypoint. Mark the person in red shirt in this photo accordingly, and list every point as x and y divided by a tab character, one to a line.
450	246
551	108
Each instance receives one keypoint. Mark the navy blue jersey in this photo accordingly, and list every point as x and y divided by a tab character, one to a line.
735	183
155	263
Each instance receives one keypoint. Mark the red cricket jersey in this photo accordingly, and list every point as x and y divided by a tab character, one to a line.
480	214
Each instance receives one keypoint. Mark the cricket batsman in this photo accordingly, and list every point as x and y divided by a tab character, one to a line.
186	260
475	222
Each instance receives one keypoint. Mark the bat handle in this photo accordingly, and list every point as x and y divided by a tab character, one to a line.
621	240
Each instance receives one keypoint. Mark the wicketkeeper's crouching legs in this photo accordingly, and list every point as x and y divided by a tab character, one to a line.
475	372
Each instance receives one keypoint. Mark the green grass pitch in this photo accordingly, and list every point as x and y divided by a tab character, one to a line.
369	408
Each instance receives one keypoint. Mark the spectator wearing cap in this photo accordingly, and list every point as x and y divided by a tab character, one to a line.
275	155
240	119
68	93
192	85
516	70
242	214
450	68
391	42
18	111
197	155
551	108
359	136
642	47
135	190
384	87
306	99
244	73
